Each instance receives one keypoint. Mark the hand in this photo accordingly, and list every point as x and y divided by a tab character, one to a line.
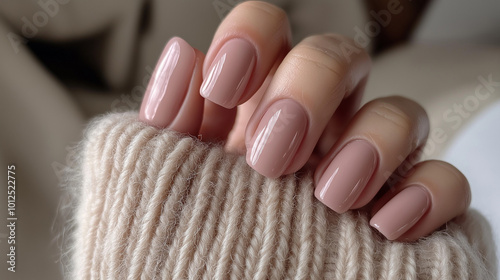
300	107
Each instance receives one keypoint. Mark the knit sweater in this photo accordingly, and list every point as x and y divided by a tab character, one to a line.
155	204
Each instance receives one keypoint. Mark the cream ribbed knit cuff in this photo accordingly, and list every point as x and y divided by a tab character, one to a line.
153	204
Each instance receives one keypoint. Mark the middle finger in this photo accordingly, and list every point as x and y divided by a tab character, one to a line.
306	90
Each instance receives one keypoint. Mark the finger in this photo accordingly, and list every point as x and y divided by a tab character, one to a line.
228	125
243	51
236	140
377	140
172	93
190	115
217	122
339	121
306	90
434	193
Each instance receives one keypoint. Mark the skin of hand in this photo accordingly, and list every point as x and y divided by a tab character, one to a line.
288	108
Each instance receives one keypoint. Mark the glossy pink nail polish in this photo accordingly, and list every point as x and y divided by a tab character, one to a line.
169	84
228	76
277	138
347	176
402	212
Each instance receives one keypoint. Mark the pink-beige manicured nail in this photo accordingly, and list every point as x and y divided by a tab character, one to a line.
229	73
277	138
169	84
347	176
401	212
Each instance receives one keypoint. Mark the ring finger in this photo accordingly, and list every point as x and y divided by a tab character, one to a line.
376	142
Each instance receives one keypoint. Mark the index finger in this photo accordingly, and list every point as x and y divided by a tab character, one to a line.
245	47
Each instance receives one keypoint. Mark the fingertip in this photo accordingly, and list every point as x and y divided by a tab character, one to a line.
229	74
347	175
278	136
434	193
169	84
402	212
190	115
244	49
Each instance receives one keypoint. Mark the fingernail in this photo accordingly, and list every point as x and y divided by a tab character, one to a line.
401	212
347	176
169	84
277	138
229	73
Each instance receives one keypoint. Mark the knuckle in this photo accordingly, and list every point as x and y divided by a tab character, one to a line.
328	45
310	55
339	39
330	51
392	114
263	7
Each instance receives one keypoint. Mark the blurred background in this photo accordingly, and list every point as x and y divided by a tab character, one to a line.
64	61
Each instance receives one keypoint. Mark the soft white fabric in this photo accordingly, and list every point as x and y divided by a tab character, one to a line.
452	82
476	152
153	204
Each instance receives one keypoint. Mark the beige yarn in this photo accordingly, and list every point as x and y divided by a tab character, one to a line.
154	204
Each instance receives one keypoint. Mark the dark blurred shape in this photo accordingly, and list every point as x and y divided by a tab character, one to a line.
401	25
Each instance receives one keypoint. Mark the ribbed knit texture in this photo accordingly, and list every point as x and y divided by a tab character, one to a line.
153	204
